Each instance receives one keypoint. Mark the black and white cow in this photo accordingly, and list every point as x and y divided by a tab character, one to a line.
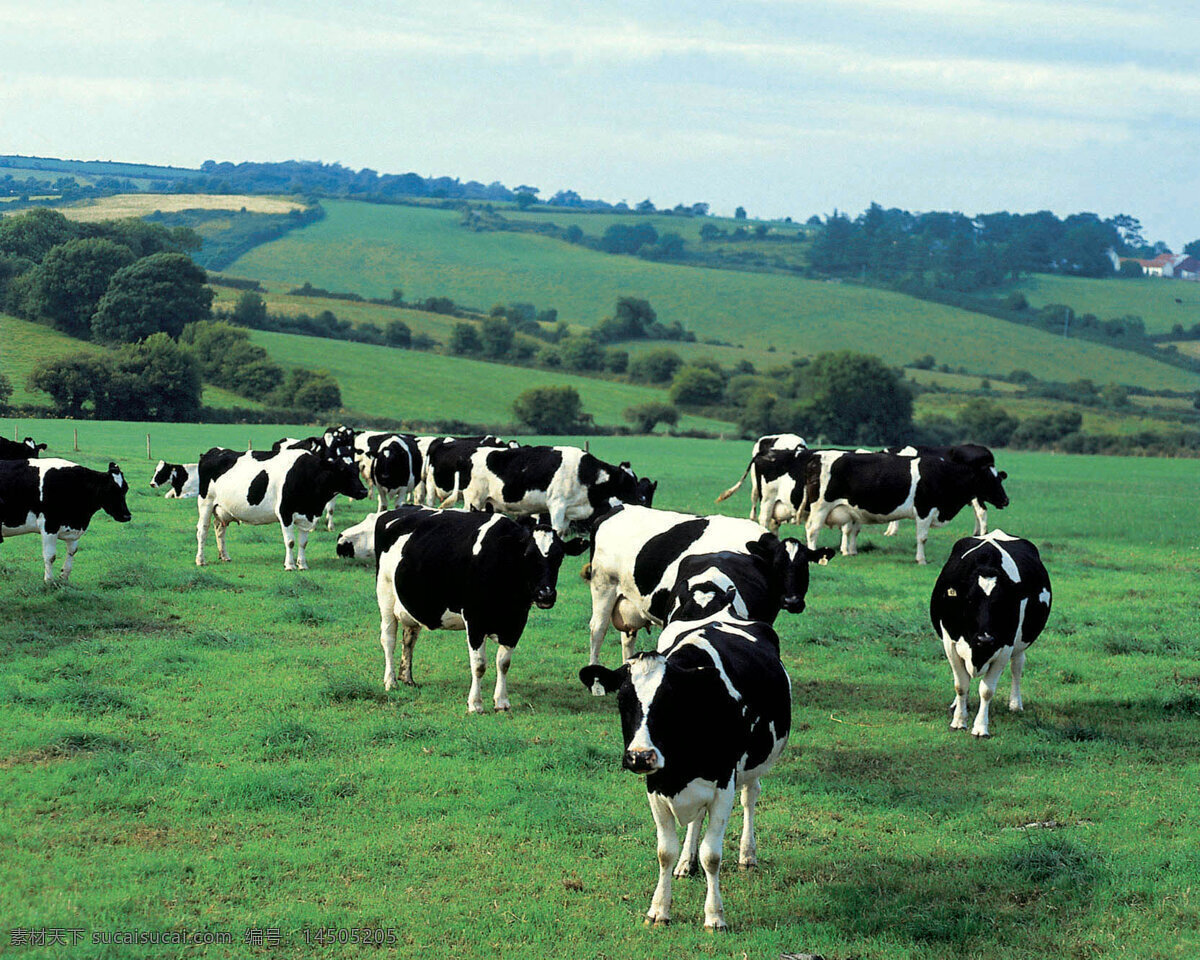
639	555
358	542
181	479
761	469
57	499
25	450
454	570
564	483
972	454
335	443
990	602
288	487
448	466
705	716
848	490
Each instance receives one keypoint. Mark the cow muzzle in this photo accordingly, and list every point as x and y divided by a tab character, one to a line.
545	598
642	761
345	549
793	604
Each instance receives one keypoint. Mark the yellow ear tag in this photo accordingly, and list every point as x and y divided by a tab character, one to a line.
952	592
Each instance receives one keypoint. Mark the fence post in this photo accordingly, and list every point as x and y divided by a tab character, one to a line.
147	446
75	440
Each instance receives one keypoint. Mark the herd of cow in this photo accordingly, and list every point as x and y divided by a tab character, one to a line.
705	714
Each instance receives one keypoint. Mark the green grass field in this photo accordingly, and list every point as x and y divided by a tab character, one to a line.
212	749
371	249
1151	298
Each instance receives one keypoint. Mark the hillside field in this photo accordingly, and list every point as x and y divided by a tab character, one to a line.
1151	298
142	204
371	249
212	750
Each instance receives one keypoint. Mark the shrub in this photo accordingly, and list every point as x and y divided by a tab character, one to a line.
163	292
696	386
646	416
464	339
550	409
398	334
986	422
655	366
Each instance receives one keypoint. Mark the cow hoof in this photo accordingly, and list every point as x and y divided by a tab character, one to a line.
748	865
302	566
503	708
958	726
408	681
225	559
389	684
718	927
981	734
686	870
1016	708
200	563
657	922
475	708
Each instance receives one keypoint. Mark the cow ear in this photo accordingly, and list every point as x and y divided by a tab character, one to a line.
113	468
1002	475
609	680
821	555
576	547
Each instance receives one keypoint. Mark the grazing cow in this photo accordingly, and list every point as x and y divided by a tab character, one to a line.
706	715
288	487
478	572
358	542
25	450
972	454
563	482
182	479
448	466
639	555
336	443
990	602
57	499
760	469
850	489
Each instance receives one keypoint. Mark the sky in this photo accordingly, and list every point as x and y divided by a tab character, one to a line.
785	107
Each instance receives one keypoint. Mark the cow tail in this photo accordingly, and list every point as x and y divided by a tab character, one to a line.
734	489
453	493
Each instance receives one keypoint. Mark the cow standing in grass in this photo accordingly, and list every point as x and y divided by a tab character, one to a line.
25	450
57	499
767	454
181	479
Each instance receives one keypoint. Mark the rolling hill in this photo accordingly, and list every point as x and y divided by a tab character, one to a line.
1161	303
371	249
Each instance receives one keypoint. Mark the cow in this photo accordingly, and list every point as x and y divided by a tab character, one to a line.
25	450
851	489
704	716
566	483
358	542
336	442
448	466
455	570
181	479
989	604
640	554
288	487
972	454
778	443
57	499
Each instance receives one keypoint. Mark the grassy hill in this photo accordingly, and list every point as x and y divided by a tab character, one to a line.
1151	298
371	249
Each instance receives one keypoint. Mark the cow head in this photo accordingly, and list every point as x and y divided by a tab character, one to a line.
989	485
542	559
162	473
343	478
34	446
112	495
358	542
644	492
788	562
699	601
393	467
992	604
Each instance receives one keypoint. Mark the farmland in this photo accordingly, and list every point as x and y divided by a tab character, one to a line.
372	249
142	204
1151	298
212	749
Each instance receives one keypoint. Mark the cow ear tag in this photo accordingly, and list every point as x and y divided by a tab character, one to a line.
952	592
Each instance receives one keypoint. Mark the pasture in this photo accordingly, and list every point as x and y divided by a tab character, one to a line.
211	749
370	249
124	205
1161	303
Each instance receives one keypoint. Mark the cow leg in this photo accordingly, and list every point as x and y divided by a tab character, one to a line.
980	518
850	539
710	856
503	659
892	529
205	508
962	683
1017	666
748	850
923	525
387	630
289	543
668	853
816	520
559	521
408	640
329	514
689	863
49	549
72	546
219	528
987	687
604	596
382	498
628	645
476	653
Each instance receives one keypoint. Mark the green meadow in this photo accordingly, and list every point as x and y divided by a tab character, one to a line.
371	249
1161	303
212	750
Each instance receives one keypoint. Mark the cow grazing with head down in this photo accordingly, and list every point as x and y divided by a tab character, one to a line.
565	483
848	490
768	454
25	450
358	542
971	454
639	555
448	466
288	487
990	602
478	572
182	480
703	717
57	499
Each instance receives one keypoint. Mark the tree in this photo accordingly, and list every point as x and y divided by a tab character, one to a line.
155	379
313	391
32	234
250	310
525	200
66	288
6	392
627	238
616	361
464	339
739	213
1192	249
163	292
581	353
631	320
655	366
496	335
550	409
986	422
71	380
854	398
1131	269
646	416
696	386
398	334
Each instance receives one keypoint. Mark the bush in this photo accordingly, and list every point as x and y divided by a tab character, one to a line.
655	366
163	292
398	334
646	416
6	391
986	422
581	353
313	391
697	386
66	288
616	361
496	336
464	339
1043	430
550	409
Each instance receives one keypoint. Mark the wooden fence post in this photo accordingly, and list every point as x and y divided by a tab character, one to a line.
75	440
147	446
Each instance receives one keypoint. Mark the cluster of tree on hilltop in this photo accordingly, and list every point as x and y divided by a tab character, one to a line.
957	252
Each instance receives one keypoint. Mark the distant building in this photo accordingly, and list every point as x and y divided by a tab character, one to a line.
1174	266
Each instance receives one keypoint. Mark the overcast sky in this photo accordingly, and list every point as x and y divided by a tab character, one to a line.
788	107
